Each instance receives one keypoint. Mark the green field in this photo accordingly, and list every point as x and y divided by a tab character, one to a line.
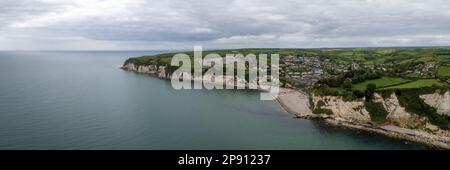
426	59
338	55
381	82
412	75
444	71
442	58
417	84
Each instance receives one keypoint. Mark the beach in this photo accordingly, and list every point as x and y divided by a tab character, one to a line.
294	102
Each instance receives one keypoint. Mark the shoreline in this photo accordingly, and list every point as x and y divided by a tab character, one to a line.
285	102
294	102
297	103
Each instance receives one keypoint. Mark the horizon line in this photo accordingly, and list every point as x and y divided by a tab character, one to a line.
243	48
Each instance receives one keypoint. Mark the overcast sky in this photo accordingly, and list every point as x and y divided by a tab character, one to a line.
180	24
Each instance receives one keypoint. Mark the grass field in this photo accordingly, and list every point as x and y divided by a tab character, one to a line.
426	59
417	84
442	58
413	75
444	71
381	82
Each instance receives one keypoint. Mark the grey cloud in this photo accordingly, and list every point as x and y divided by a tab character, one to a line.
231	23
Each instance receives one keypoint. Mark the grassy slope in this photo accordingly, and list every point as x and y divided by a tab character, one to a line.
417	84
381	82
444	71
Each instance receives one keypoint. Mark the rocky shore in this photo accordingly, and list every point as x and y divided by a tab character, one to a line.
297	103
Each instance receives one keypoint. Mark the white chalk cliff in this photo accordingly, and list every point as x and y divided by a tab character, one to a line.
439	101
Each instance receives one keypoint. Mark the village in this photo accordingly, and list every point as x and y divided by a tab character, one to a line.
308	70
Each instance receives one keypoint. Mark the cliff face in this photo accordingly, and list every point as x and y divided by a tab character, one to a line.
347	110
398	114
159	71
355	111
398	122
162	72
439	101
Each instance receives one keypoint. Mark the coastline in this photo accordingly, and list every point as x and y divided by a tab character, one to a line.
290	96
296	103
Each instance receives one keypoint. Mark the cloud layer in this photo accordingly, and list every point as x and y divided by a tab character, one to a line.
180	24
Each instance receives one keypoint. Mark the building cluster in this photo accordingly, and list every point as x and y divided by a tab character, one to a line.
427	69
308	70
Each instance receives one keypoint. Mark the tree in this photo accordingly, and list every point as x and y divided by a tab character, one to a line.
371	87
370	90
358	94
347	84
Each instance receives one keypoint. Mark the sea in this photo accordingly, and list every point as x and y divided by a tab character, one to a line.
52	100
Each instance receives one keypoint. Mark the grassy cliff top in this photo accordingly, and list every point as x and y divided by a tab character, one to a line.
341	55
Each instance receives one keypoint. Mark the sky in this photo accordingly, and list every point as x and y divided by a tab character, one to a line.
220	24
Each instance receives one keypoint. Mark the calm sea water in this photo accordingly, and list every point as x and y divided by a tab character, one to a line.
82	100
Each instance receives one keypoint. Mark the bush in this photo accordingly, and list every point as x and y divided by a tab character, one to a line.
322	111
325	91
320	103
349	97
370	90
377	112
347	84
385	93
371	87
358	94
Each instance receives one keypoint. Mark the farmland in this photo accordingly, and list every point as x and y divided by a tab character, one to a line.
444	71
418	84
381	82
343	70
